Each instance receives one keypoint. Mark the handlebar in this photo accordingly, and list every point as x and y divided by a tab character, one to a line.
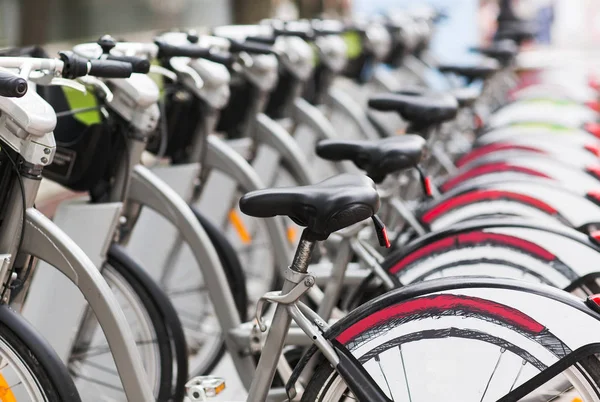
254	48
138	64
166	50
265	40
75	66
69	65
12	86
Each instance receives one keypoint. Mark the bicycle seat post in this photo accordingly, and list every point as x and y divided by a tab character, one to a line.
303	253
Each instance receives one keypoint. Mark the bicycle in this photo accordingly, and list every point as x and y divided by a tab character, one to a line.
34	120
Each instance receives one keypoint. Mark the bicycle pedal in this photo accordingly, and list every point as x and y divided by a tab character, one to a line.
200	388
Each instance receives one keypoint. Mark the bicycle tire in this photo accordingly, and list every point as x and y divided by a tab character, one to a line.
358	330
134	272
150	300
230	262
38	356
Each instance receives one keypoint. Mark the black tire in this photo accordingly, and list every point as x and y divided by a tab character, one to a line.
235	277
229	261
585	358
166	316
124	269
38	356
161	327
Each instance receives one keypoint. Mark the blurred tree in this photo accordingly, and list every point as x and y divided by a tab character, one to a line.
33	21
251	11
310	8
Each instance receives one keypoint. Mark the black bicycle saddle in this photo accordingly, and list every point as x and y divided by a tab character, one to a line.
421	110
324	208
480	71
377	157
465	96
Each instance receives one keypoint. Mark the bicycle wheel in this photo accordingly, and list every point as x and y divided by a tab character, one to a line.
473	348
30	369
91	363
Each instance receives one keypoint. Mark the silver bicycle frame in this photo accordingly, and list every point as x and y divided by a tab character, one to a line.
149	191
340	101
44	240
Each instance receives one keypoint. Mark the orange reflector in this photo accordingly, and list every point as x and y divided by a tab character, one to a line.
239	227
576	400
6	394
219	388
291	234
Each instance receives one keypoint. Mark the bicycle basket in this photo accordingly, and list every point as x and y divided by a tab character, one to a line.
183	112
235	116
86	145
280	100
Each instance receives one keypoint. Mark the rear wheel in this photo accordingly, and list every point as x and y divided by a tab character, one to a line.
455	347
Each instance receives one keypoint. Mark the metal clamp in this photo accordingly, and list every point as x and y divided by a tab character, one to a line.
289	298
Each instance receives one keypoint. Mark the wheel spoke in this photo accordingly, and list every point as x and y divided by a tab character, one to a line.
378	360
100	350
502	350
523	364
95	381
185	291
405	375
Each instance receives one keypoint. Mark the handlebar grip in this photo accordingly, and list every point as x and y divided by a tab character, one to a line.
266	40
74	66
139	65
12	86
224	59
110	69
291	32
254	48
166	50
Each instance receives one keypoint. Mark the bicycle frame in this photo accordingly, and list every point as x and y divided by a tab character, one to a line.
296	283
44	240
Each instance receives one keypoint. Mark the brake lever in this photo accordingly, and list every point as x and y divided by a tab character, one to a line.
164	72
48	80
182	67
245	59
98	84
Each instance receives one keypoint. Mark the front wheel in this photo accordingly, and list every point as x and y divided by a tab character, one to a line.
461	344
30	370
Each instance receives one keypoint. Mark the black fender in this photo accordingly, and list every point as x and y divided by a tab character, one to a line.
166	309
43	352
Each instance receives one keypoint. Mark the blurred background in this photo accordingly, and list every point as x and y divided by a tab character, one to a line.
563	23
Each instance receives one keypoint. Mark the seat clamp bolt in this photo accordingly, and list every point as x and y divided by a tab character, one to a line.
309	281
